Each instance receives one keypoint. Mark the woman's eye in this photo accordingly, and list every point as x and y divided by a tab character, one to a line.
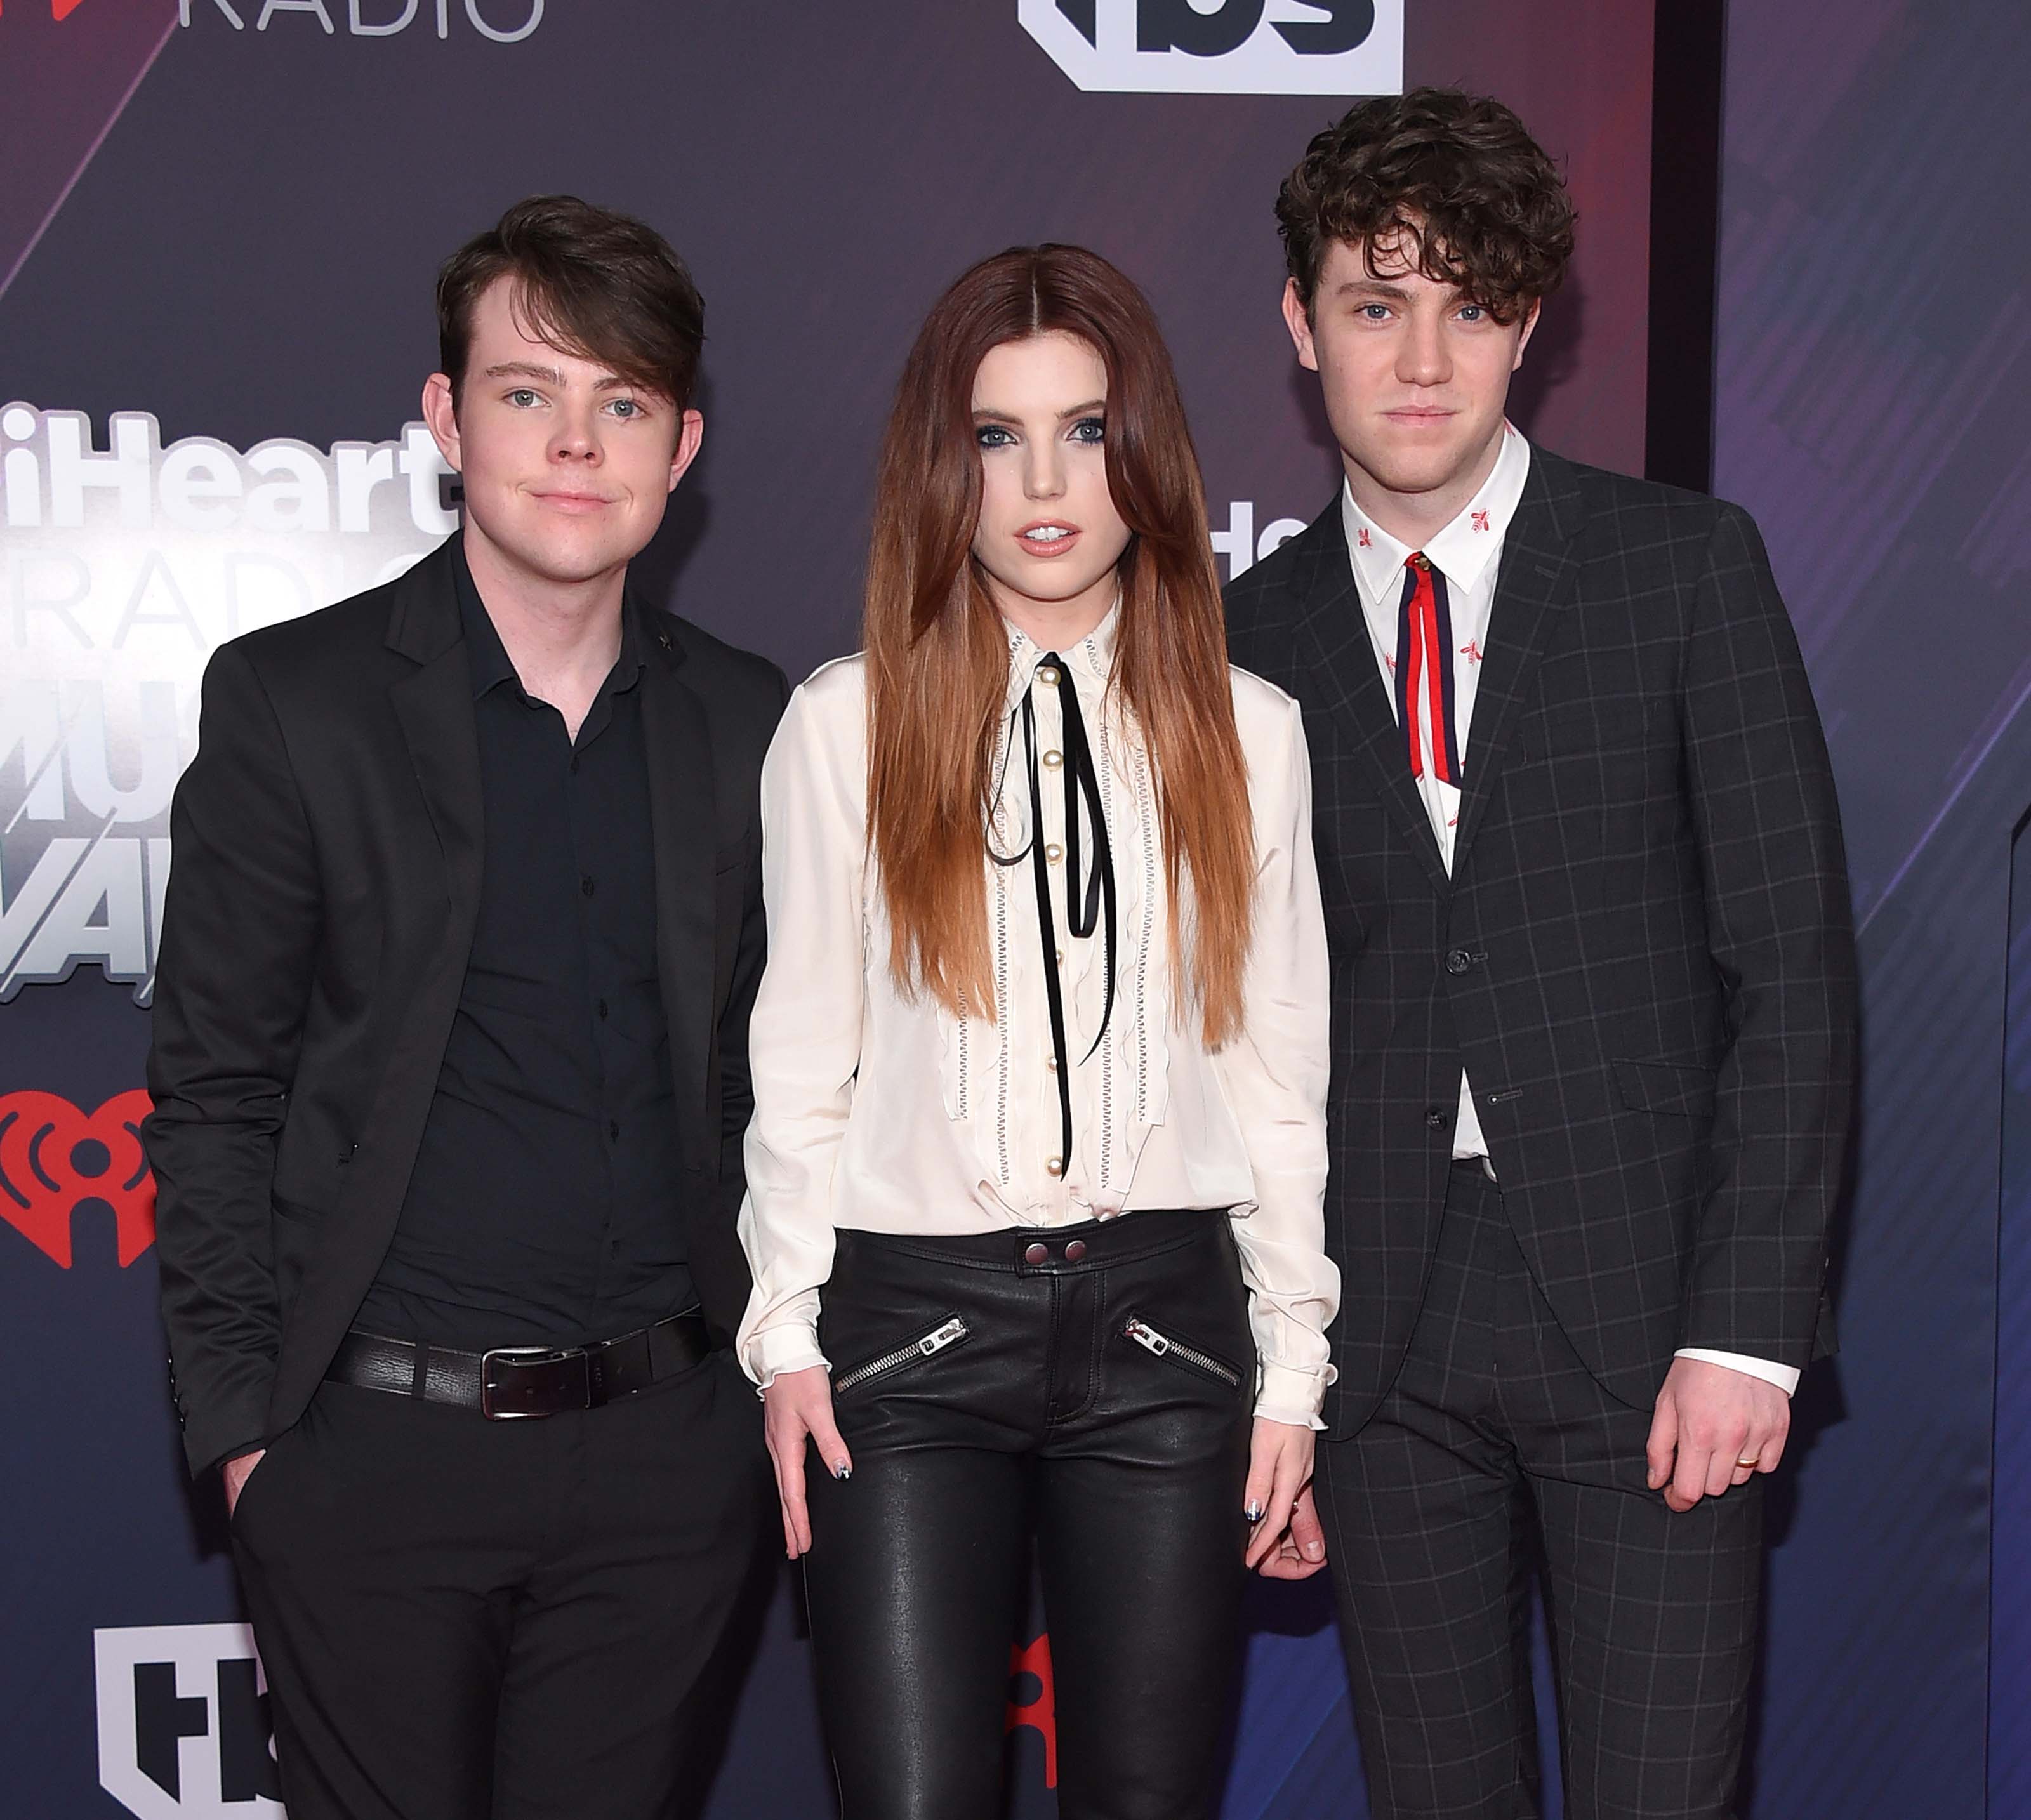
992	436
1091	430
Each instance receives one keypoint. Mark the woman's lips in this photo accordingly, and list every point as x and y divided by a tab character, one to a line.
1047	538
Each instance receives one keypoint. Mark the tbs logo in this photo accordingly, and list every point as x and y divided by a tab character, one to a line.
1223	46
184	1731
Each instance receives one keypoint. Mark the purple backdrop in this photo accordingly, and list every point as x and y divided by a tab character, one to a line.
230	226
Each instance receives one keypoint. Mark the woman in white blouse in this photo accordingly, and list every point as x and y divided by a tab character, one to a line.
1035	1173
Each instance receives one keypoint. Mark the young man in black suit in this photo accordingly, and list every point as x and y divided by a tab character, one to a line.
450	1079
1592	1005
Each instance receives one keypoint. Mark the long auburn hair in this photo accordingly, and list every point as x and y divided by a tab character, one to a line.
937	656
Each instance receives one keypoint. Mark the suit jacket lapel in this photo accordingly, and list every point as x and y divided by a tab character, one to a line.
681	801
1536	583
1330	618
433	705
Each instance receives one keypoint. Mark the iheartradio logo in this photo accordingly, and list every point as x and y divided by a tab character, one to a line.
55	1156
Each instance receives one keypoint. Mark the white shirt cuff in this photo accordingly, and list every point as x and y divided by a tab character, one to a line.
792	1347
1784	1377
1286	1393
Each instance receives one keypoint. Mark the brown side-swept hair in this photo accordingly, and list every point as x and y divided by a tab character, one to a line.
1451	181
937	656
588	280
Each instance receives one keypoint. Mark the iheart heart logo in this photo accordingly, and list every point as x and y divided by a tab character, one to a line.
52	1156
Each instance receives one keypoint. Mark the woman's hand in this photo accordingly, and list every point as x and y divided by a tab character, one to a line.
1280	1468
797	1406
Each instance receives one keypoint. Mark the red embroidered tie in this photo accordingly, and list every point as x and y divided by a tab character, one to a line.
1425	670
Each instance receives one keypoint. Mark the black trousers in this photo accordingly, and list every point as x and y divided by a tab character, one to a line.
1497	1446
468	1620
1038	1412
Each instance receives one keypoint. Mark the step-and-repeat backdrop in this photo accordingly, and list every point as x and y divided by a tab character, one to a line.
219	224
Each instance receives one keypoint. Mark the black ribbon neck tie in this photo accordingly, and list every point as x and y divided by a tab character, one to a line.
1090	901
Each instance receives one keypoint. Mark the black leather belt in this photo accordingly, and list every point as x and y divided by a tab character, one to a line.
515	1383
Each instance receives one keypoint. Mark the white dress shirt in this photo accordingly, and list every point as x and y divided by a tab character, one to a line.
882	1111
1467	552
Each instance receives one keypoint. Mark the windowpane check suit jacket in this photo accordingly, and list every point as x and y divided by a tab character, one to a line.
1643	957
319	919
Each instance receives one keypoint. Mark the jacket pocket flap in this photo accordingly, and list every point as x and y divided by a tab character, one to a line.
1675	1087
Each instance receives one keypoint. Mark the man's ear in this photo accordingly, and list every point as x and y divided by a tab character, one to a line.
690	434
440	413
1529	323
1297	319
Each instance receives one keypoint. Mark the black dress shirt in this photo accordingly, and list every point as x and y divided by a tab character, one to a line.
544	1207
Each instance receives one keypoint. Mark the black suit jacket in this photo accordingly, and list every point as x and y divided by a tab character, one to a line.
1643	957
327	841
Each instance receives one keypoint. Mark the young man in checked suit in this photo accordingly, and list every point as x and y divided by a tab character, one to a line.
1593	1002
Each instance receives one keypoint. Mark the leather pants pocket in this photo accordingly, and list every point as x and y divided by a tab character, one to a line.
940	1337
1164	1343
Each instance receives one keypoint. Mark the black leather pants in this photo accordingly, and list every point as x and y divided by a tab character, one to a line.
1092	1385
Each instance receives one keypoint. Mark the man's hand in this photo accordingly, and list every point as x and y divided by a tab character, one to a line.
1714	1427
1301	1550
236	1472
797	1412
1279	1473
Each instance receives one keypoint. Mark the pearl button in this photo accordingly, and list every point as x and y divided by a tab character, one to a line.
1060	954
1053	852
1047	673
1054	1165
1053	760
1050	1062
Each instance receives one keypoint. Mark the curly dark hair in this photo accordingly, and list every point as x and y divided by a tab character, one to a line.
1453	179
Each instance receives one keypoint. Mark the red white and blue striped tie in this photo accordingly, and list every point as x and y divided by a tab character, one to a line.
1425	670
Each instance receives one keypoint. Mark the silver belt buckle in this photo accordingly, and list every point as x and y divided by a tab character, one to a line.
497	1395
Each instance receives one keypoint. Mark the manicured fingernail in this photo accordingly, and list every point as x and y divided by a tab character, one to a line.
1254	1511
841	1470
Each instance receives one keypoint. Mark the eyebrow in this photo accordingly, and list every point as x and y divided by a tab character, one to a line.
988	415
554	375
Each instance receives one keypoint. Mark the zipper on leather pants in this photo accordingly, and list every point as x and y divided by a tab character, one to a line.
1160	1346
948	1334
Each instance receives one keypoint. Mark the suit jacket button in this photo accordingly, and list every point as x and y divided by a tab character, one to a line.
1458	961
1438	1119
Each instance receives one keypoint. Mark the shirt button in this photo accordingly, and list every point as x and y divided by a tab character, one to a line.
574	764
613	1128
1047	673
1053	852
1053	760
1051	1062
1458	961
1060	954
602	1010
1054	1165
585	884
1438	1119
